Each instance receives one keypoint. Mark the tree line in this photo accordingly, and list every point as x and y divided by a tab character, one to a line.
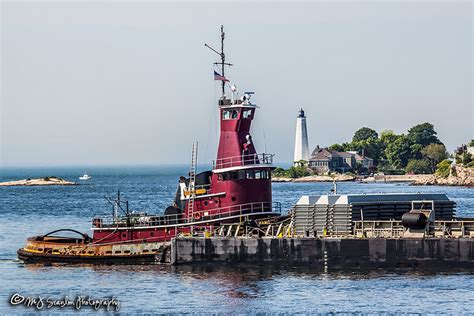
417	151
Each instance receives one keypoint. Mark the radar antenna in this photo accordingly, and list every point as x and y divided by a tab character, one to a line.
222	55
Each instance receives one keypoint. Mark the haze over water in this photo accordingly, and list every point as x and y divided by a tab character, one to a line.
28	211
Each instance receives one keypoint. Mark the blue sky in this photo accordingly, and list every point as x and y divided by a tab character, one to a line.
106	83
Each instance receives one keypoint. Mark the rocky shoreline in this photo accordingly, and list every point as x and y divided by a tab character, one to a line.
337	178
37	182
459	176
462	177
406	178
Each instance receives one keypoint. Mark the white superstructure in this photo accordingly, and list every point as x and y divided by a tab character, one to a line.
85	177
301	139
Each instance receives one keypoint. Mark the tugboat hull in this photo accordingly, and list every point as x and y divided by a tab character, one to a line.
30	257
71	250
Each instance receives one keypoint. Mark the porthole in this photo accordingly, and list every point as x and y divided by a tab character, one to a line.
233	199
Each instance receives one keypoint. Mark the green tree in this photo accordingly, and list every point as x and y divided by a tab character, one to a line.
337	147
371	147
443	168
364	133
466	158
297	172
415	151
279	172
418	166
398	153
434	153
423	134
471	143
387	136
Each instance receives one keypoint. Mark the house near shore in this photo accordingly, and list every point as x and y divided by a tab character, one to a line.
324	160
364	161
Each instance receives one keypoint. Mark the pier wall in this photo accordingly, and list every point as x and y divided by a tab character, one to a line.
327	253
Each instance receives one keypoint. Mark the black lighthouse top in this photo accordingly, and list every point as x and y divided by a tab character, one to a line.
301	113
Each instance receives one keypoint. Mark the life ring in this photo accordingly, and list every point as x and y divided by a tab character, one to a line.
197	216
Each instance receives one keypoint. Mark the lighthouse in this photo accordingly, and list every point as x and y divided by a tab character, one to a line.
301	139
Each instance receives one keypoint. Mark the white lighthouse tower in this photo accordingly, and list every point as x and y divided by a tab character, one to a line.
301	139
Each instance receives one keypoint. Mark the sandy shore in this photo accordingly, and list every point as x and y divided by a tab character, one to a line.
38	181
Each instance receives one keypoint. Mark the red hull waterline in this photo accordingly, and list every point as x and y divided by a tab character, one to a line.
237	191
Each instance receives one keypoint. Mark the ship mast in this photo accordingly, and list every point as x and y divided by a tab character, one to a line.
222	63
222	57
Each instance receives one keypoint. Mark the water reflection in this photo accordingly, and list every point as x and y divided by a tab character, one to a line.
241	288
238	273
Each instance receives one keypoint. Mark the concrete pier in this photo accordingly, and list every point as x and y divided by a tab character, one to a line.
327	253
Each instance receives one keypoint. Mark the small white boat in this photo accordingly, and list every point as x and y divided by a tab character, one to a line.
85	177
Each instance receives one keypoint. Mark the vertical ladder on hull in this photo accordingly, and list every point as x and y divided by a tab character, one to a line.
192	182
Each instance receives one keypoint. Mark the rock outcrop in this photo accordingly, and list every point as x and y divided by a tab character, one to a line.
460	176
39	181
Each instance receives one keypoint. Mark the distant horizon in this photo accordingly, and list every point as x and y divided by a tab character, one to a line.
167	165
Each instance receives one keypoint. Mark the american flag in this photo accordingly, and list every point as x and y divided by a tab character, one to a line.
218	76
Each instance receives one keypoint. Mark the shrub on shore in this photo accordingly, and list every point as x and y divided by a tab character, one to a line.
292	172
443	168
418	166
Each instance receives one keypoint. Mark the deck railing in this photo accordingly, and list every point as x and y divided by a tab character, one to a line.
237	210
140	220
243	160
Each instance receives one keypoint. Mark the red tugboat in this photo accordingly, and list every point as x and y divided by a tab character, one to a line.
236	190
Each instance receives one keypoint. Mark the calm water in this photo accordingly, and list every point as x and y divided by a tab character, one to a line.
26	211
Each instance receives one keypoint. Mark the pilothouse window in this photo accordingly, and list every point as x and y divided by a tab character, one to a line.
230	114
247	114
249	174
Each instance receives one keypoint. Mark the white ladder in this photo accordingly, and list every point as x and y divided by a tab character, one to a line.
192	182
